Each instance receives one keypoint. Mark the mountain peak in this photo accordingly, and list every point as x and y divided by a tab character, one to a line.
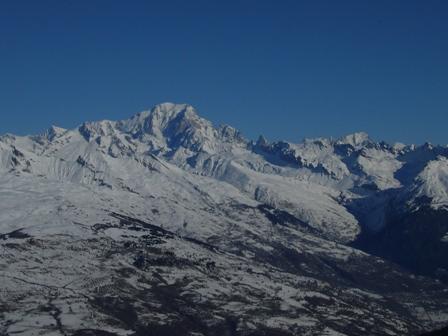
154	120
169	107
54	131
97	128
51	133
169	111
355	139
163	114
261	141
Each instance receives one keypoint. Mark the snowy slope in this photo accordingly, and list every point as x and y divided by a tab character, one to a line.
432	182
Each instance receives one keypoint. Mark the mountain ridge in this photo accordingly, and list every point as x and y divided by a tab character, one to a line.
166	200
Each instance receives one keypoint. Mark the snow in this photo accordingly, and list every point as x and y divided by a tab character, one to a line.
356	140
380	166
172	169
432	182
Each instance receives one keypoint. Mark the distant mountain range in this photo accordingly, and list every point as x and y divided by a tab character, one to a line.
163	224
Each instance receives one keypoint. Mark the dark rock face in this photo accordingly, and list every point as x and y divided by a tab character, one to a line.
413	240
439	332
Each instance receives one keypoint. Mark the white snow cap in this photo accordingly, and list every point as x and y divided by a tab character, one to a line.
157	118
355	139
54	132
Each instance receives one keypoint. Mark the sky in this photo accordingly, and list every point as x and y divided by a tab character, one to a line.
286	69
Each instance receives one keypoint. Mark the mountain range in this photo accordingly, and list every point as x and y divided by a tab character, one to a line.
163	224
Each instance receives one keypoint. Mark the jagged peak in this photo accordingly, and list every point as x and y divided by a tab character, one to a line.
262	141
53	132
166	112
156	119
167	127
356	139
173	108
432	182
428	146
97	128
230	134
321	141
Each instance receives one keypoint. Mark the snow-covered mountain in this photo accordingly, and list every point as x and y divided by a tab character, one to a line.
165	224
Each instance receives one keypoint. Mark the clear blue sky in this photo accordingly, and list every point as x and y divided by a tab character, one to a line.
286	69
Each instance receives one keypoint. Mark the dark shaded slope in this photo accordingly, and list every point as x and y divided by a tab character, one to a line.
413	239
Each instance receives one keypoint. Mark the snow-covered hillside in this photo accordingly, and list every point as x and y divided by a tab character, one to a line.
105	226
432	183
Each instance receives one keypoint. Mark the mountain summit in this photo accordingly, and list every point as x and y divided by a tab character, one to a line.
166	224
